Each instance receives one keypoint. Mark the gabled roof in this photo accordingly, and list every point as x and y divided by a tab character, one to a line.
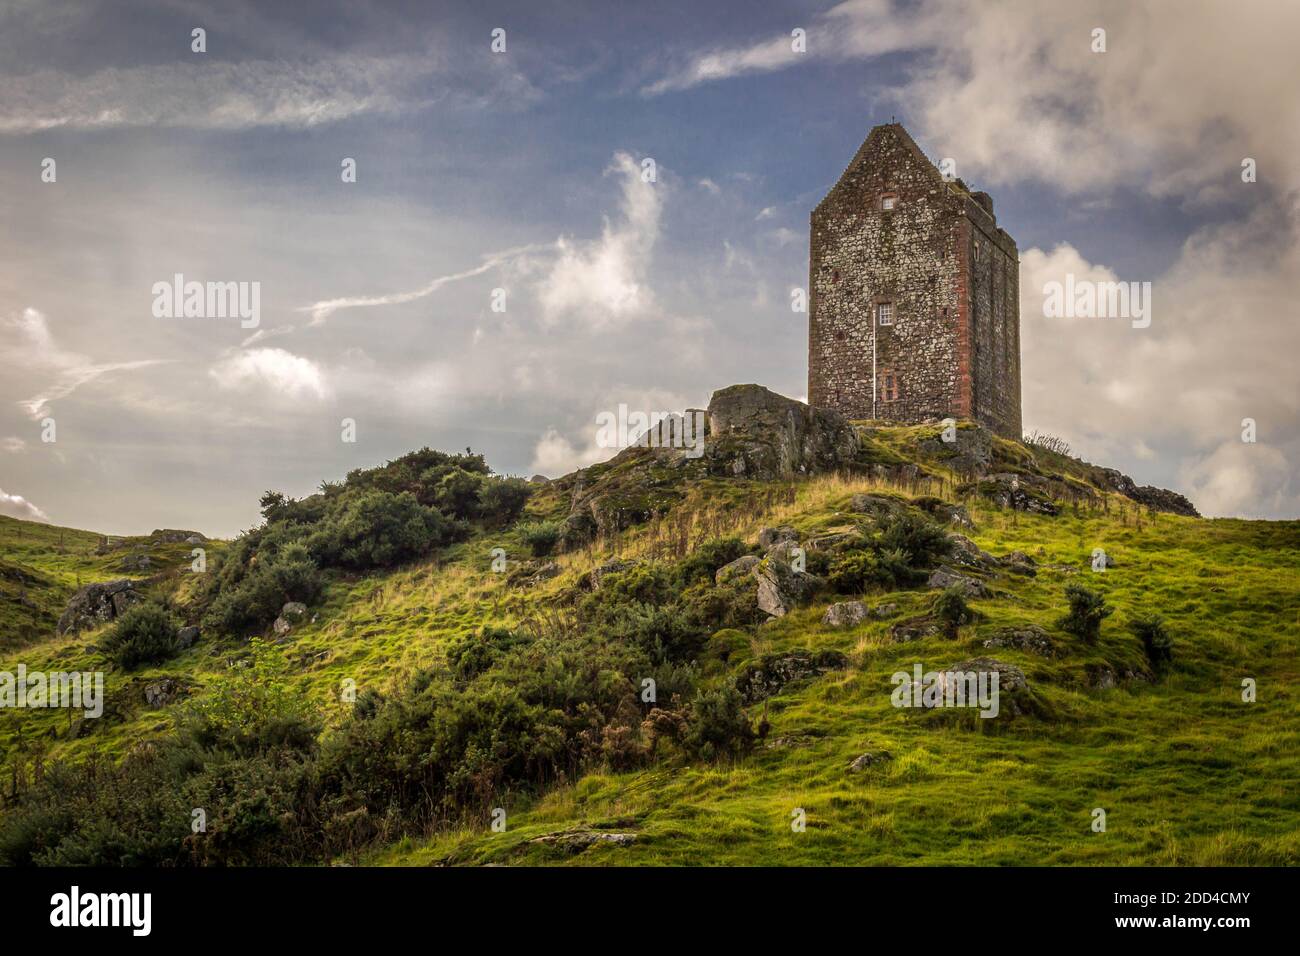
903	136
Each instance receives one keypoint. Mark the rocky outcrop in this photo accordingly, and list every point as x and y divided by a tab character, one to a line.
186	638
761	679
756	433
869	759
742	566
97	604
780	587
852	613
1024	637
1157	499
944	578
576	841
174	536
1026	493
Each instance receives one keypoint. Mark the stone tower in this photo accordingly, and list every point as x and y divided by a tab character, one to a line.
914	294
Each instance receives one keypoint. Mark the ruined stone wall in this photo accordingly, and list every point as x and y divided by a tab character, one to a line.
862	255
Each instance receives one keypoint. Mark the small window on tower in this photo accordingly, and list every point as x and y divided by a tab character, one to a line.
888	386
888	201
885	313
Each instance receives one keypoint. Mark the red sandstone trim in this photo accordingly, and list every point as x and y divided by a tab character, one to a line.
963	401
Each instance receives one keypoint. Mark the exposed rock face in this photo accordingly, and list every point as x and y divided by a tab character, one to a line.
760	679
756	433
743	565
136	562
944	578
869	759
780	587
173	536
969	453
1025	637
575	841
97	604
1157	499
915	628
162	692
186	638
1021	492
967	553
852	613
1013	688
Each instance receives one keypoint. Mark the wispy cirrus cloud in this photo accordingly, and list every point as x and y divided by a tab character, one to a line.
208	93
30	344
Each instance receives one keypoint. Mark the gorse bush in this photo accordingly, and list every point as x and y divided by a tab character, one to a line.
145	634
951	609
541	537
1087	611
1156	642
375	518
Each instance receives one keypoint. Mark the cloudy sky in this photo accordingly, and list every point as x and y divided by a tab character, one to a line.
522	171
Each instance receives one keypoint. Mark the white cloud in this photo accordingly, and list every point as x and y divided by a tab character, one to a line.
1185	91
16	506
604	281
1220	349
554	455
269	368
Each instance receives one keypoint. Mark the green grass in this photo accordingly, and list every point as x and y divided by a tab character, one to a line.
1186	771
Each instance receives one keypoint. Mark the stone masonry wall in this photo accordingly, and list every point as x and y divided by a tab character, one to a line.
951	276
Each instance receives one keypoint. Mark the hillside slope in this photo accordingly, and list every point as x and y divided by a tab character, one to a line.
1184	768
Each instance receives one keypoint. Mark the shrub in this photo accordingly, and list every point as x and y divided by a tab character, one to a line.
1156	642
716	725
923	542
703	563
145	634
252	708
540	536
378	529
500	500
952	611
471	656
1087	611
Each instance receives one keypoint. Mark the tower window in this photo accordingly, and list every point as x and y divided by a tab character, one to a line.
888	386
888	201
885	313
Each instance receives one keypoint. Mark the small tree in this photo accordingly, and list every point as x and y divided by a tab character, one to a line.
1087	611
145	634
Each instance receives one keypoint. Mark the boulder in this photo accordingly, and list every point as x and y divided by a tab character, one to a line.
780	587
969	554
759	680
294	611
97	604
945	577
161	692
851	613
914	629
136	562
1020	563
743	565
281	627
186	638
846	614
596	576
1013	686
874	505
1024	637
756	433
969	453
869	759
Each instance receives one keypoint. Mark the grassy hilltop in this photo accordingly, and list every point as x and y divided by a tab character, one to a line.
479	686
